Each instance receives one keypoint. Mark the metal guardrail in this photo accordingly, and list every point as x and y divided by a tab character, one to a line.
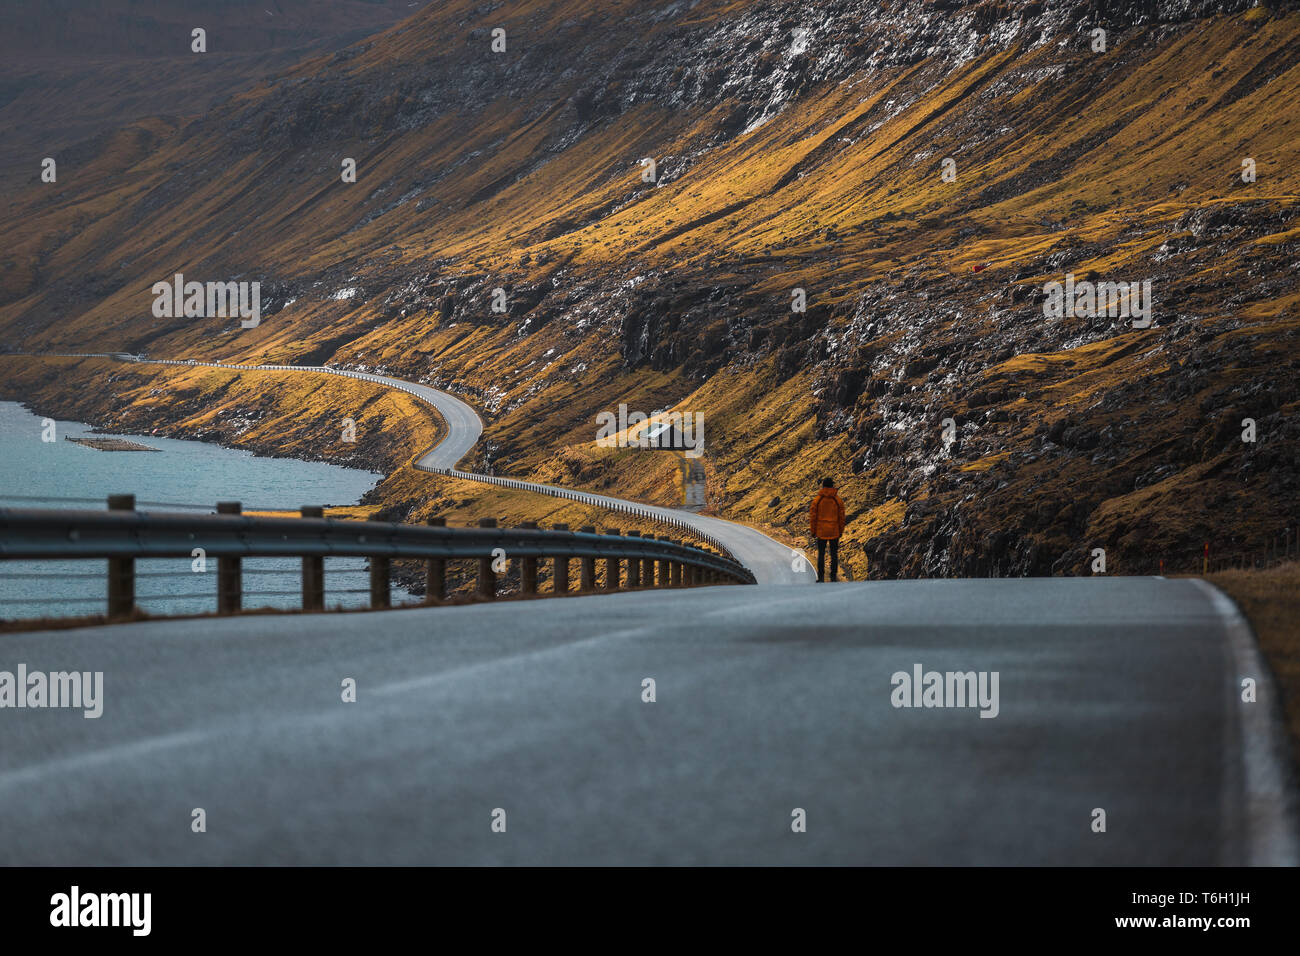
121	535
554	491
584	497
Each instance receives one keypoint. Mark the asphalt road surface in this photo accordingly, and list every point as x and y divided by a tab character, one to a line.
463	424
769	560
1118	694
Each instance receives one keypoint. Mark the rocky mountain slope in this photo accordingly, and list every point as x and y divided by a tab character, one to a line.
793	150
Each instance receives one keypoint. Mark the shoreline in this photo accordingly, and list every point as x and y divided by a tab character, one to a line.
199	404
258	451
255	451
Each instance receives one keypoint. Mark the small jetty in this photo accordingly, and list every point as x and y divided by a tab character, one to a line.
110	444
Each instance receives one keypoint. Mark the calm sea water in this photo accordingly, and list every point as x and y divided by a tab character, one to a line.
183	472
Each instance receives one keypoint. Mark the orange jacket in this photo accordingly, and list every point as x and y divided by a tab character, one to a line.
826	516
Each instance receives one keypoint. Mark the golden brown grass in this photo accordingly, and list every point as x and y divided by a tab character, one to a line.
840	158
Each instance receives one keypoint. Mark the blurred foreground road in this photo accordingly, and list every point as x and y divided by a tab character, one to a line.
1114	693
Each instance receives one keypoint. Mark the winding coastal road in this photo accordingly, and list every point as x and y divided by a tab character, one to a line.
769	560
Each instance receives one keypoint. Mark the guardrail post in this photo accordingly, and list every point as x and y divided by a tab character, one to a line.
664	567
313	570
676	572
634	565
560	571
121	571
587	565
381	595
612	565
435	570
528	568
230	577
487	578
648	569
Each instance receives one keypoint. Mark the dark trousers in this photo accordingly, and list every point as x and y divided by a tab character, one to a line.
821	558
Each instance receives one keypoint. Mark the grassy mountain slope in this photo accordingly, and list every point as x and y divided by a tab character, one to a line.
776	170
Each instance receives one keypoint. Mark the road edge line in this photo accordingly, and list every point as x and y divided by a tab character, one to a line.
1270	817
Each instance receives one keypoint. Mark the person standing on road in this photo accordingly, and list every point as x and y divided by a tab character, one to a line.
826	517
